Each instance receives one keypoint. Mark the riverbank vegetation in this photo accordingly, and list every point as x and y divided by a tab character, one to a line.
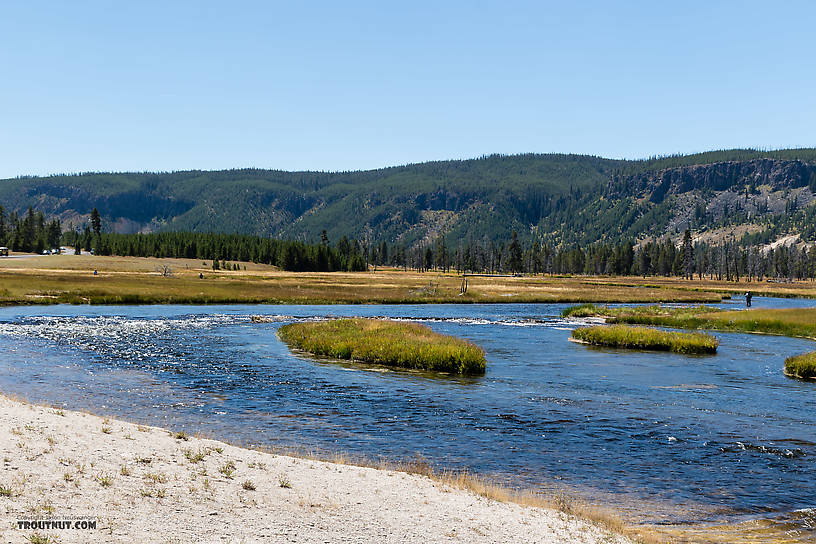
624	336
386	342
797	322
801	366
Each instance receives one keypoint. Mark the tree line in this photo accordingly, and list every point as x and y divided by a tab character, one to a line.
728	261
290	255
29	232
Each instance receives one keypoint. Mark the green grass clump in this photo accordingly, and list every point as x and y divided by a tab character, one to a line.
801	366
624	336
586	310
385	342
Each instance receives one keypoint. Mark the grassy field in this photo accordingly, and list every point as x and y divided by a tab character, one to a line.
801	366
386	342
802	289
624	336
133	280
797	322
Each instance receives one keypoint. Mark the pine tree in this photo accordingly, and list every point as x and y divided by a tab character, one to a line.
515	260
688	256
96	222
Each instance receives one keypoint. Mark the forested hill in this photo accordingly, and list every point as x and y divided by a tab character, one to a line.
559	199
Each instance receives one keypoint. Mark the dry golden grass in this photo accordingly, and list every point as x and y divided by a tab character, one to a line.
70	279
733	288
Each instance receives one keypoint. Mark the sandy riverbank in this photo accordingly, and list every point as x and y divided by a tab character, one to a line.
144	484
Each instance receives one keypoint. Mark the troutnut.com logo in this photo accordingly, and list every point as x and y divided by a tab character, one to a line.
51	524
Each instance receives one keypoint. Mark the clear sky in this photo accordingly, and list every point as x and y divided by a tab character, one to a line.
171	85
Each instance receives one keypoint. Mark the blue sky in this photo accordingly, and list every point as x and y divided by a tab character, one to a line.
100	86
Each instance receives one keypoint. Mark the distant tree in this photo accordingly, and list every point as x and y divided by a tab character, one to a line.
688	255
96	222
515	261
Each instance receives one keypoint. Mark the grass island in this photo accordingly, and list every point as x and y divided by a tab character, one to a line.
624	336
801	366
386	342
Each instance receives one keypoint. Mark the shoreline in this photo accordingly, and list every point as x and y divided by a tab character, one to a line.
147	484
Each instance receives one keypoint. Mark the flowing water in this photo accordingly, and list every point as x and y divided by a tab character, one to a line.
678	438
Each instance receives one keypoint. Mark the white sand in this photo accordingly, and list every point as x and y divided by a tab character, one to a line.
52	465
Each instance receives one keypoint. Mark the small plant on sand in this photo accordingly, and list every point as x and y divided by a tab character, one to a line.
248	485
142	429
156	477
206	484
801	366
106	429
144	460
124	470
60	412
181	435
284	482
195	456
37	538
68	477
227	469
47	508
6	491
104	480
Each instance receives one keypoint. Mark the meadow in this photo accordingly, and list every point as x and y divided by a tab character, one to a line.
146	280
625	336
386	342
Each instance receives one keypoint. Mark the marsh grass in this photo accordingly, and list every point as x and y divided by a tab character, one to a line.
624	336
797	322
801	366
386	342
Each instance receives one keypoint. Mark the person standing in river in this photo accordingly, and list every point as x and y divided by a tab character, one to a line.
748	297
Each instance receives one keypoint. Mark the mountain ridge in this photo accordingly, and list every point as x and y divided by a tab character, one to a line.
558	198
